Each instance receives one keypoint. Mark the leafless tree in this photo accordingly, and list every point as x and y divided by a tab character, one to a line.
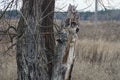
35	40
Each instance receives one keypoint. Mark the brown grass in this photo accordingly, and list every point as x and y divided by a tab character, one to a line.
98	52
8	70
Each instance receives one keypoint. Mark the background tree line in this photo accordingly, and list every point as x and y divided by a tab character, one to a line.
102	15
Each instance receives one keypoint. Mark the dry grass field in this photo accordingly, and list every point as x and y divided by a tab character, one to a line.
8	68
97	54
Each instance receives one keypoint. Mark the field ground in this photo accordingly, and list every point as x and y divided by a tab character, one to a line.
97	53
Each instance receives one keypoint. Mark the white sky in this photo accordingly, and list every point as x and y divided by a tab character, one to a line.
82	5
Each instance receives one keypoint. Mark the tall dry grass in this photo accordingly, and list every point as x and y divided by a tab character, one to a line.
98	52
8	68
97	60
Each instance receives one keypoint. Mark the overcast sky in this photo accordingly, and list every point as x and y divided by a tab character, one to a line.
87	5
82	5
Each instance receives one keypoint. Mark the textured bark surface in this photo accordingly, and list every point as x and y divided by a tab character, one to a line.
70	60
47	23
31	43
59	68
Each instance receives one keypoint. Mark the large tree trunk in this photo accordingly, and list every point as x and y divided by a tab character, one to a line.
32	61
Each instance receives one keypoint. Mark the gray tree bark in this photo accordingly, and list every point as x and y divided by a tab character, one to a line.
59	69
47	23
32	59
